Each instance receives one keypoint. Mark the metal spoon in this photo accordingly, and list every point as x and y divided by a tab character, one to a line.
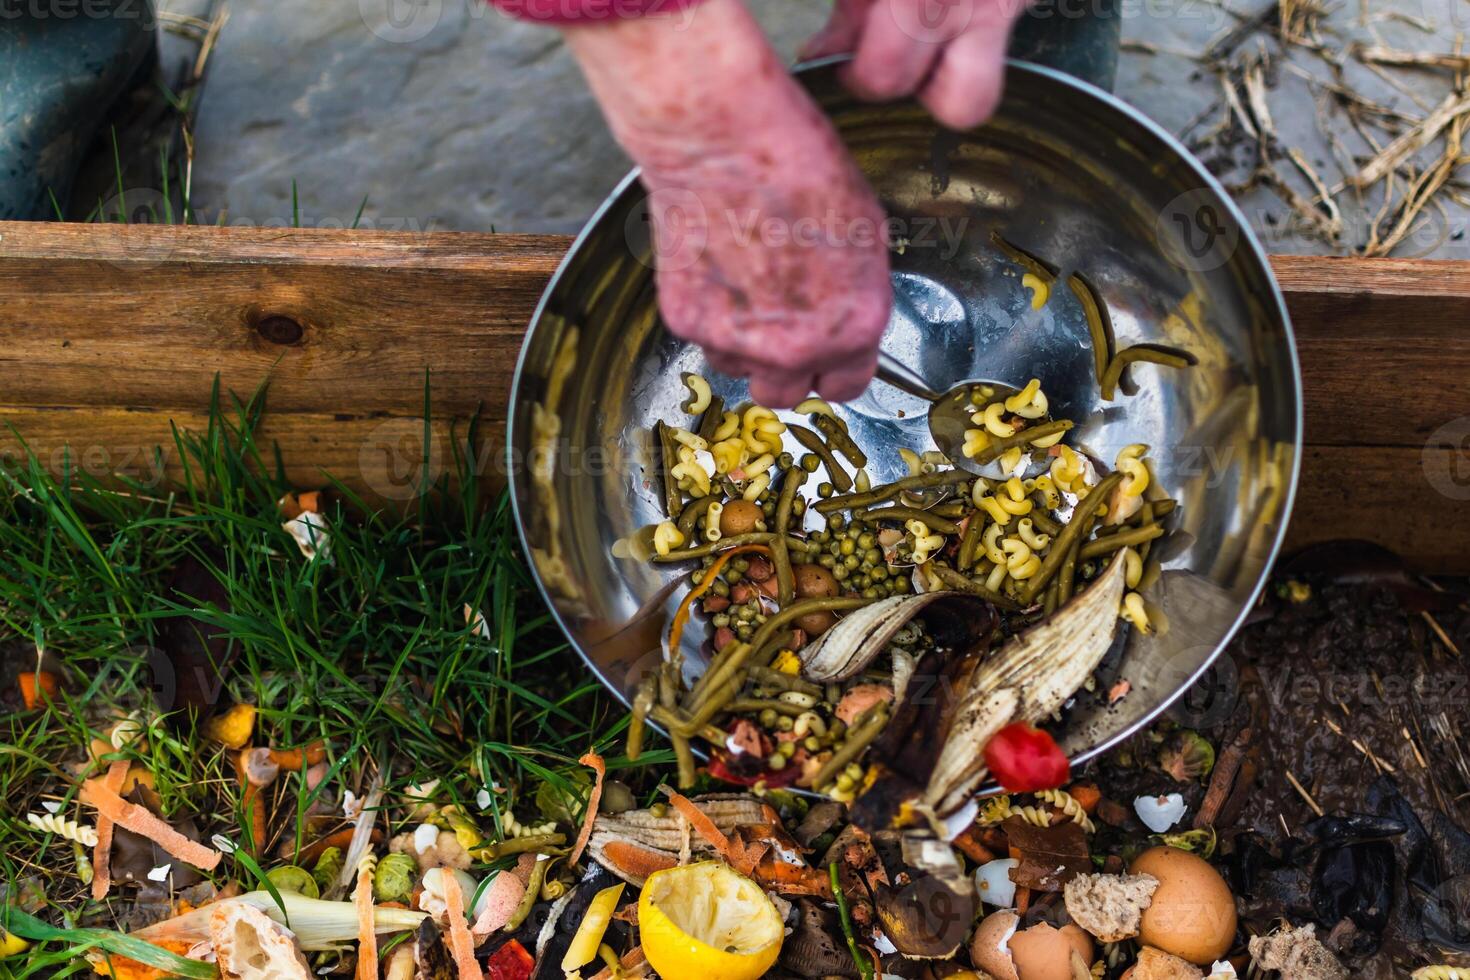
949	412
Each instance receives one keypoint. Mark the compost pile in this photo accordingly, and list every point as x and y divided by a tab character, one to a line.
341	746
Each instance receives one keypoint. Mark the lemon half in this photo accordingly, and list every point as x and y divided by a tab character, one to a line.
708	922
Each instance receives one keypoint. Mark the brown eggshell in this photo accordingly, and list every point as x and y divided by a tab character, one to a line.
1044	953
988	949
1193	913
740	517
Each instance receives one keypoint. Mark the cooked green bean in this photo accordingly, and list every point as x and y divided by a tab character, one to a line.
1123	539
642	705
746	706
1038	267
519	845
530	898
693	512
787	682
724	544
1053	597
1068	573
836	434
684	758
887	491
1145	517
970	541
815	445
668	685
1081	514
668	459
1148	353
711	419
1099	323
963	582
951	508
859	737
1020	437
897	512
780	556
1043	523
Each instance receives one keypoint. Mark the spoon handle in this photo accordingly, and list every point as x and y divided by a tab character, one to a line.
904	378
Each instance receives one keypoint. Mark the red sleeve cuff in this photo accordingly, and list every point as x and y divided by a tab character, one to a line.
588	11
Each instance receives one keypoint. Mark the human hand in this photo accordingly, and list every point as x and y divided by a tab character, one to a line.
948	53
769	245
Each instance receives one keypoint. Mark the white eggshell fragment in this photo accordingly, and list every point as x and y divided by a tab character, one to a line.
993	882
1159	813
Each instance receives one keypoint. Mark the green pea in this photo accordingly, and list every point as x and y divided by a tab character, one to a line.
879	573
870	593
768	718
721	587
784	723
840	572
785	461
720	619
827	561
810	462
812	743
776	762
824	489
867	540
847	547
851	562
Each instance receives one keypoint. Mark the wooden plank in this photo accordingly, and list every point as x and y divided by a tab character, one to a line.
1414	501
108	316
1383	345
382	458
109	332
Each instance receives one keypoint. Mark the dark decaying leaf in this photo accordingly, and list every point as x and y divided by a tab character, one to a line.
813	948
431	957
192	658
1355	882
1050	856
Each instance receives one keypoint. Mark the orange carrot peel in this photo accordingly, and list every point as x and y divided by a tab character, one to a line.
140	821
461	943
117	772
367	938
37	687
681	616
594	799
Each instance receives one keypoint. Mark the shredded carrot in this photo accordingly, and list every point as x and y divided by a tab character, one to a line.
699	820
122	968
36	687
461	943
1023	892
969	845
340	839
594	799
636	861
367	938
1087	795
140	821
681	616
300	758
102	853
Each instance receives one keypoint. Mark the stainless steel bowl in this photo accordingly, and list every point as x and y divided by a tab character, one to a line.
1066	172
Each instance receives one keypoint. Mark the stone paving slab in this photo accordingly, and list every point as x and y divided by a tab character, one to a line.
447	116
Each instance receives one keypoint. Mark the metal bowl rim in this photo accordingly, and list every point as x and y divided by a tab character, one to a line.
1247	238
